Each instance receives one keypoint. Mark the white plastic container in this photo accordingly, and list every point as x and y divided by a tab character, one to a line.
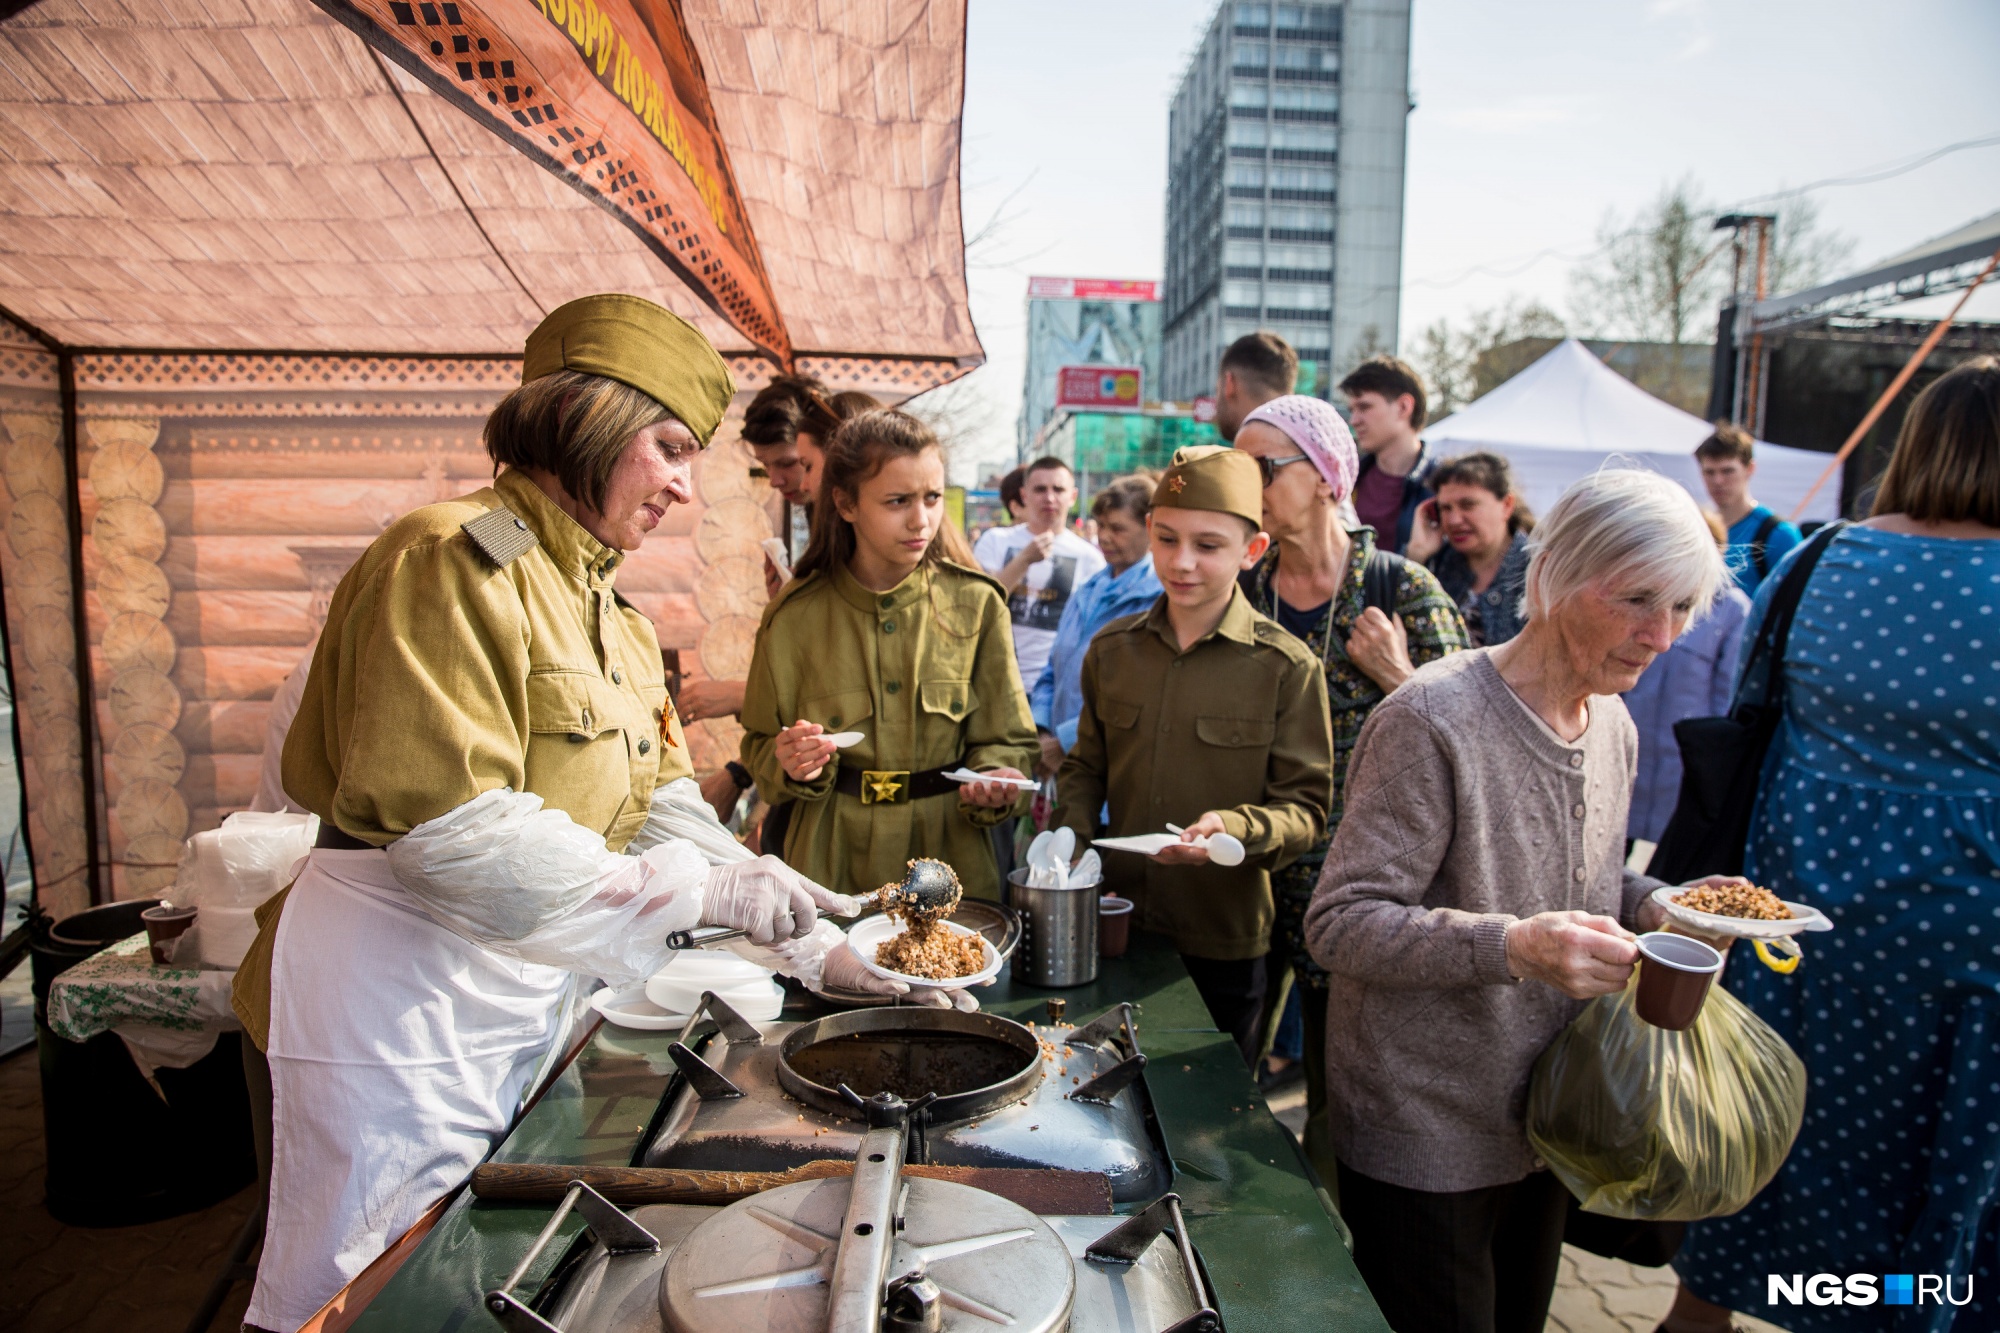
226	935
229	872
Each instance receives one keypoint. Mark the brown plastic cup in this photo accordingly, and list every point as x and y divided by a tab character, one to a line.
1675	973
164	928
1114	926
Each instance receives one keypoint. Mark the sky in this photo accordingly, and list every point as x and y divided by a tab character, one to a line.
1534	120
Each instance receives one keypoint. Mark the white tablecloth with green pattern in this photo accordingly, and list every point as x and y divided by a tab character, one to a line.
169	1017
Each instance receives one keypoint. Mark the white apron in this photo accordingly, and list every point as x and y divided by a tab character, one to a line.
399	1053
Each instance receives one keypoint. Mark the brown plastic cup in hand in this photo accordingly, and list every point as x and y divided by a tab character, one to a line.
1114	926
164	927
1675	973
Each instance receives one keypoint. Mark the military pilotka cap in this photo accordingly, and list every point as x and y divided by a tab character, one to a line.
633	341
1213	476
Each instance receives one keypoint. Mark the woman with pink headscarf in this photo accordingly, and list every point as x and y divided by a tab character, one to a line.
1372	617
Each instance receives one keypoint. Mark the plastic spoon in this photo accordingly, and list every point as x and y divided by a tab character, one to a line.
1224	849
1060	849
1050	865
1036	852
1089	869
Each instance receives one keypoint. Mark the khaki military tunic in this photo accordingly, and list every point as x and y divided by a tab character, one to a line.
1239	724
926	673
444	674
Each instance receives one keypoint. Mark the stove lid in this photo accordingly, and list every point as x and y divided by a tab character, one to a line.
764	1263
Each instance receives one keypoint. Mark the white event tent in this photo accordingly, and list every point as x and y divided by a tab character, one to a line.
1569	413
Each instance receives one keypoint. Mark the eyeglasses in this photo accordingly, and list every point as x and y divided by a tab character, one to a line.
1268	467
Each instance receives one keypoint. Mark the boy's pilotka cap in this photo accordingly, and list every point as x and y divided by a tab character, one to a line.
1213	476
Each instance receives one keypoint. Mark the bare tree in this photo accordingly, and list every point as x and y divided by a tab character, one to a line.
959	411
1461	362
1654	277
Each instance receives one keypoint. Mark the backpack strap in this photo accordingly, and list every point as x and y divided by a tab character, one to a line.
1379	580
1765	662
1760	541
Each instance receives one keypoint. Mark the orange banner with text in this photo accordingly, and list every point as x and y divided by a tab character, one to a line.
609	95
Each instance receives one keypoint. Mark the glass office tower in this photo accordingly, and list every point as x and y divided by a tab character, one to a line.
1285	187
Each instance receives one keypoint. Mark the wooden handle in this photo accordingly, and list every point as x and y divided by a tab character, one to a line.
1042	1191
534	1182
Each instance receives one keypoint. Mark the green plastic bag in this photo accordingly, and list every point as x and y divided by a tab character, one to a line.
1640	1122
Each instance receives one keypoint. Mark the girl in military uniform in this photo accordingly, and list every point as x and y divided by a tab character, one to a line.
887	633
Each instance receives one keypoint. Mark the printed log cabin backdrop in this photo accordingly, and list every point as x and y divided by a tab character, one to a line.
262	284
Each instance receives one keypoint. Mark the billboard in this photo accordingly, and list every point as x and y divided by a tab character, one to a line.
1105	388
1092	289
1090	325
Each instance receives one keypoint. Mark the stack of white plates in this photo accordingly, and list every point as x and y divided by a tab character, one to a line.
738	983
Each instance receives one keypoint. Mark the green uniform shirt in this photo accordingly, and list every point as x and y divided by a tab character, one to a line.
926	673
442	675
1238	723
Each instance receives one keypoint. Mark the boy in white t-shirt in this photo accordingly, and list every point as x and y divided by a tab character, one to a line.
1040	561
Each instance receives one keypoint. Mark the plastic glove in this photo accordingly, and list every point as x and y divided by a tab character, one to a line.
803	958
843	968
767	898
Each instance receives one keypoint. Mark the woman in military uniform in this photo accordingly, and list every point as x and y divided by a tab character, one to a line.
506	805
887	631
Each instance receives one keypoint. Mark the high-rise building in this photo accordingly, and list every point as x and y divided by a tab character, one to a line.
1285	187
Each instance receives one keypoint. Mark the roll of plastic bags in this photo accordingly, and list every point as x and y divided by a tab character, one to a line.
249	858
1641	1122
229	871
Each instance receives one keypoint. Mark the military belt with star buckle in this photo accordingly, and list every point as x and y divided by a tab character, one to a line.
893	786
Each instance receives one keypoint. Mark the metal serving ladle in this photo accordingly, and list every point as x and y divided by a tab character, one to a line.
928	886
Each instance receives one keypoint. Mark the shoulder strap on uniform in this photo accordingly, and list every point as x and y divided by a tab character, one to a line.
1379	579
501	535
1760	540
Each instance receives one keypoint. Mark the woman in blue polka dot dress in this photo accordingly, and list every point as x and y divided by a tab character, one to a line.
1881	807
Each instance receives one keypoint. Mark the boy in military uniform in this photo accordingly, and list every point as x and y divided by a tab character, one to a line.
1202	713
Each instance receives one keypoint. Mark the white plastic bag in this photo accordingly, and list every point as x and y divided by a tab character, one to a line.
245	861
229	871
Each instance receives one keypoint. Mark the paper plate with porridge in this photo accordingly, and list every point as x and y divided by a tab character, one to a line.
1739	911
912	942
1744	912
959	947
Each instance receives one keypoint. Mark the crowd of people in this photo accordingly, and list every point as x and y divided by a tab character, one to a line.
1442	727
1439	726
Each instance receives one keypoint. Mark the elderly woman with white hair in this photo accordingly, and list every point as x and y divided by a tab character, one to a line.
1476	895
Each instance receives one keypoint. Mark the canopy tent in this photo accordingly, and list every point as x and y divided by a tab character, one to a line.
263	271
1568	414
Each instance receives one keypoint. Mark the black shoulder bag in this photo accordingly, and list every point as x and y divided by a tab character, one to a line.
1722	758
1379	578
